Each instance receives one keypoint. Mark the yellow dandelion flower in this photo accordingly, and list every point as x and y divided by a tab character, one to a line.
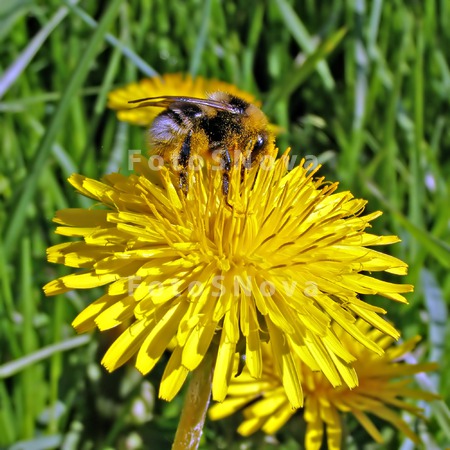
280	259
384	383
177	84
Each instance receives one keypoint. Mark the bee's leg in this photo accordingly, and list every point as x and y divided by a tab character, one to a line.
226	167
183	163
246	164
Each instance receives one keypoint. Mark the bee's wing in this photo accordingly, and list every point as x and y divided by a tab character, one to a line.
168	100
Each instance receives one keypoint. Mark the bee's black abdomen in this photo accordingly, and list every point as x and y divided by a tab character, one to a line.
189	110
174	121
239	103
174	115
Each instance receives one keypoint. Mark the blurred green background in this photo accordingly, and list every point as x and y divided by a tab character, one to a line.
362	85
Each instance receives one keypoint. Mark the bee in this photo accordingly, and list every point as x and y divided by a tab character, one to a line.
219	128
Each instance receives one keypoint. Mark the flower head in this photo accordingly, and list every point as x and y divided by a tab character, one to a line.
280	259
384	382
176	84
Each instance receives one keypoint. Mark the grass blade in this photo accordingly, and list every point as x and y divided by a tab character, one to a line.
201	39
130	54
298	74
304	40
13	367
14	71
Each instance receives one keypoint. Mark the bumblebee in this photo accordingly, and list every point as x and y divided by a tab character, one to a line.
219	128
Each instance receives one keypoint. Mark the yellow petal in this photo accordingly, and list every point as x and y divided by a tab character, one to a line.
116	314
85	321
286	366
126	345
159	338
223	368
173	377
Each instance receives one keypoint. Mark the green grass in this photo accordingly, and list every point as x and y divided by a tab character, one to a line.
363	86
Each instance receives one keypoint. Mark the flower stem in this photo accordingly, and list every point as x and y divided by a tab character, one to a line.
190	427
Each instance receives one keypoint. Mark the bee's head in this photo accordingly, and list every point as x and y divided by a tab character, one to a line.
260	140
251	127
